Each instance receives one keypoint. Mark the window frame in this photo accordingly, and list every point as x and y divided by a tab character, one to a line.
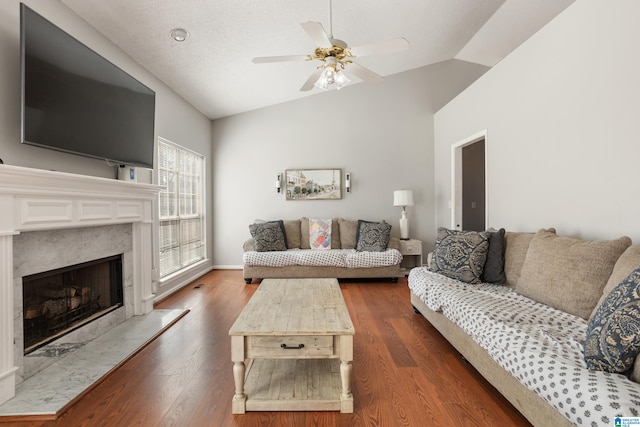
194	189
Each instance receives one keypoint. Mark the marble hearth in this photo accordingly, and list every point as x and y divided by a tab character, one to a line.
54	219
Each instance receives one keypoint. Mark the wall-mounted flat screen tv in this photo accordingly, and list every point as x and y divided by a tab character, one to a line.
74	100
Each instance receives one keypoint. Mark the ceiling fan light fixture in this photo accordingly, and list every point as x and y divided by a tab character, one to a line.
331	77
341	80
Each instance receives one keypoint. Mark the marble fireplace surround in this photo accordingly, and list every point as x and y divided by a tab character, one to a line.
35	200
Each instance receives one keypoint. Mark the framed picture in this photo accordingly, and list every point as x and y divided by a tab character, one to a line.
313	184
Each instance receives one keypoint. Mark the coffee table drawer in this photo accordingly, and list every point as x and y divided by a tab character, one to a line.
285	347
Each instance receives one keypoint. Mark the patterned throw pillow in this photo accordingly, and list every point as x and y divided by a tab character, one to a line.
372	236
268	236
613	334
320	234
460	254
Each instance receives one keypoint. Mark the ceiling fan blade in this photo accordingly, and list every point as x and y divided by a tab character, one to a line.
266	59
364	73
390	46
317	33
308	85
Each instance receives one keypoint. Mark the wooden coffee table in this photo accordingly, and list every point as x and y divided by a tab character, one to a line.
298	337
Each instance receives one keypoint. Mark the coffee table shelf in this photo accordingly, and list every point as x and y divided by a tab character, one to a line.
293	385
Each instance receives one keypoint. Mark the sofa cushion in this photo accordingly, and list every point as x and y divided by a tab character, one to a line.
635	372
320	234
292	233
304	233
335	234
460	254
268	236
613	335
493	271
348	231
628	261
566	273
339	258
516	246
372	236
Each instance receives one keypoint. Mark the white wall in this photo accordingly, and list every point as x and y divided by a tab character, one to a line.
175	119
382	135
562	114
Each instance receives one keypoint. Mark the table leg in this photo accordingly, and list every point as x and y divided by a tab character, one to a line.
239	399
238	404
346	373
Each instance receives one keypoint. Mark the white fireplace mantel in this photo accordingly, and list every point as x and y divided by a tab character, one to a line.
35	200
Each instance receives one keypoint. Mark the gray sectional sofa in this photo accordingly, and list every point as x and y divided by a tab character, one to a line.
527	336
297	259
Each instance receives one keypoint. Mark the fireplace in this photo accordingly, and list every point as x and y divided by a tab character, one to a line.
52	220
59	301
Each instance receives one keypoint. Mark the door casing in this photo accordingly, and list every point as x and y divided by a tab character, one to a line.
456	178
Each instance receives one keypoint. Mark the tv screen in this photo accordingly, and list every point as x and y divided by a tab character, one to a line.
74	100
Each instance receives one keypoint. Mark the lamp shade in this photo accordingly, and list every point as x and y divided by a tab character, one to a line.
403	198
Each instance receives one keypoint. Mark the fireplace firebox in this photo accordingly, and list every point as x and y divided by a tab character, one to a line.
57	302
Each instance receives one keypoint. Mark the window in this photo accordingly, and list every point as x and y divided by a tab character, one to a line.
181	172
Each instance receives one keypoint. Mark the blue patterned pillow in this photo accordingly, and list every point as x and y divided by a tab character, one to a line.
372	236
460	254
269	236
613	334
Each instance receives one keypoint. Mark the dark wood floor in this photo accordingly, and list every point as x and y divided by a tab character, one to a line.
405	373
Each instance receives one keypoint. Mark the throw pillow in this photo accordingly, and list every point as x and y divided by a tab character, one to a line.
460	254
566	273
372	236
268	236
291	232
320	233
613	334
493	271
304	234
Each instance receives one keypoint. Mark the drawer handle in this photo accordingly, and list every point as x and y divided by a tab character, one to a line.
286	347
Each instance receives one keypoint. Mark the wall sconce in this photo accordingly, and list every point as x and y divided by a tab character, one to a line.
347	182
279	183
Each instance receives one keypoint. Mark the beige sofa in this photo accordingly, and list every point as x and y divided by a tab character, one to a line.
526	336
300	261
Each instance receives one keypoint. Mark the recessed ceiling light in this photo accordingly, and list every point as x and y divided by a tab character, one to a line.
179	34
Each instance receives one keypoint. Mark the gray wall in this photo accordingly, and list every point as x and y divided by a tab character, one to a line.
561	113
175	120
382	135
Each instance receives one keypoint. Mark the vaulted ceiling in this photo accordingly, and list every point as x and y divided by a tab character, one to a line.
212	68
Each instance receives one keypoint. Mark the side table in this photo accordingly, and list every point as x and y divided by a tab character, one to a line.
411	251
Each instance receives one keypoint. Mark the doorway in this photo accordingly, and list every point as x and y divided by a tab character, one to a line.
469	194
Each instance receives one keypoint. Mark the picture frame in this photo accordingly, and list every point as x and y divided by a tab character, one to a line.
313	184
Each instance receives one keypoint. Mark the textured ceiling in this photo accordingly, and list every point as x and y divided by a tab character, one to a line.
213	71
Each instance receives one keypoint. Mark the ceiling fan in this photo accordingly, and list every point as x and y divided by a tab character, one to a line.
335	56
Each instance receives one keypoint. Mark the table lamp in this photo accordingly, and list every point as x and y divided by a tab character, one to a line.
403	198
